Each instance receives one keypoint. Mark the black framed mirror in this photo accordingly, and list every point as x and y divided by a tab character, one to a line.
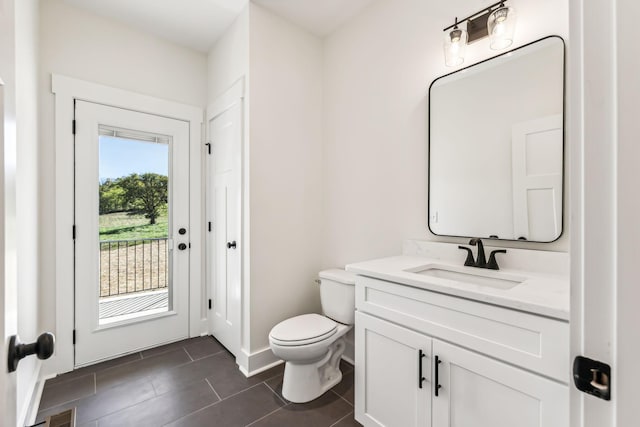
496	146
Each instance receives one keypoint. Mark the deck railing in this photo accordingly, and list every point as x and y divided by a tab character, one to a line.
136	265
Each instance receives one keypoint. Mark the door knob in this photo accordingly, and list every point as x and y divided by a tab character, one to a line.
182	246
182	231
43	348
231	245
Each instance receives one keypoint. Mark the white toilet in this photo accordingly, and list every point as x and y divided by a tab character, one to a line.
311	344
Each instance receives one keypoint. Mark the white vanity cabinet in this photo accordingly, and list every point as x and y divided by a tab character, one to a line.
498	367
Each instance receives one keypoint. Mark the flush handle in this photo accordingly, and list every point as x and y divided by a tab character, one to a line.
592	377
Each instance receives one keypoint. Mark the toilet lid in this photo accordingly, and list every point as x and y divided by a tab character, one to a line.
305	329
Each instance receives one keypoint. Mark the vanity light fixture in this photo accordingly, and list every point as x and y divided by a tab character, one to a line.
500	26
496	21
455	44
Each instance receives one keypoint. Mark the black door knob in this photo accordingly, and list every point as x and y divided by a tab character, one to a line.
182	246
231	245
182	231
43	348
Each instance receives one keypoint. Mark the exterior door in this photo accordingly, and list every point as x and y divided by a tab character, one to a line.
131	233
483	392
390	360
224	212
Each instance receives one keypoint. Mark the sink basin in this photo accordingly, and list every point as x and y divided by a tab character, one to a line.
488	278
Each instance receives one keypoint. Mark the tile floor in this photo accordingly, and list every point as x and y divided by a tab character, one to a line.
190	383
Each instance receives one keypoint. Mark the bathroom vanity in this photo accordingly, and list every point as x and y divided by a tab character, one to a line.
441	344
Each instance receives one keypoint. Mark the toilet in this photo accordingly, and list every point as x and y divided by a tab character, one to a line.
312	344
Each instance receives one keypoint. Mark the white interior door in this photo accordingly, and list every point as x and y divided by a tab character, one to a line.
132	231
537	150
224	213
8	291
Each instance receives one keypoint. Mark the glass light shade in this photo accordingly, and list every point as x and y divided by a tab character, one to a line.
455	45
501	26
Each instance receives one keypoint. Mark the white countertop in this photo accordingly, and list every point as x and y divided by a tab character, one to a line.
540	293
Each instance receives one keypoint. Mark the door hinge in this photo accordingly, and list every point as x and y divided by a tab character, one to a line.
209	226
592	377
210	302
74	336
208	144
73	126
73	232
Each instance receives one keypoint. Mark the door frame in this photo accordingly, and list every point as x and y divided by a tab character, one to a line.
66	90
235	94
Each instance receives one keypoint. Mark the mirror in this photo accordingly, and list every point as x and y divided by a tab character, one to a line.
496	146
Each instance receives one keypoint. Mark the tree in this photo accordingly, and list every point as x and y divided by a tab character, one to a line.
147	193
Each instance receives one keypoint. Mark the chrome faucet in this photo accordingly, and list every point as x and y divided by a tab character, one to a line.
481	261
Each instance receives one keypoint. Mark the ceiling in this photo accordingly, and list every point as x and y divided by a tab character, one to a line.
193	23
321	17
199	23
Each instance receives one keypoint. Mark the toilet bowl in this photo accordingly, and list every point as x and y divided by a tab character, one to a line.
313	344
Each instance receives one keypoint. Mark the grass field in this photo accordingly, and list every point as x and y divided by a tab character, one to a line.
123	226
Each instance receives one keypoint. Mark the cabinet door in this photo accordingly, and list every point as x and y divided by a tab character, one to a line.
389	360
482	392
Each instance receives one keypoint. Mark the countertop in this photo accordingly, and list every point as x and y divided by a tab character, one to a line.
541	293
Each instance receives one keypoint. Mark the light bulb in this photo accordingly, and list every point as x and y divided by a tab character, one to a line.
501	26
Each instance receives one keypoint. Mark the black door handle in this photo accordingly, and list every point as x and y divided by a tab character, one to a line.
43	348
421	379
182	246
231	245
437	386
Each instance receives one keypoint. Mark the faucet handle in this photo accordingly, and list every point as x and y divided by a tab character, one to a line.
469	261
492	264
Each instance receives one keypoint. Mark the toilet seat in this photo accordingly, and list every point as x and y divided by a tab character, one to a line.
303	330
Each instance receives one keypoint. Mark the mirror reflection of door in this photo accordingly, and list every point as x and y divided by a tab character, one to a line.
131	289
537	179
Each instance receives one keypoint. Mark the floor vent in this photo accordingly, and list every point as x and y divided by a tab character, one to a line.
63	419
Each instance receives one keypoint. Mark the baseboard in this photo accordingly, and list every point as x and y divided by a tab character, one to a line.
349	360
253	363
30	411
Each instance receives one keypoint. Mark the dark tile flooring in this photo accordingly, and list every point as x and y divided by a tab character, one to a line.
190	383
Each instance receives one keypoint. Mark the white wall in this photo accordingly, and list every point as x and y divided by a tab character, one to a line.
78	44
286	191
27	189
378	69
228	59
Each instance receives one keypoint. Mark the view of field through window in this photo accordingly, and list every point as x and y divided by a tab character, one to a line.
133	218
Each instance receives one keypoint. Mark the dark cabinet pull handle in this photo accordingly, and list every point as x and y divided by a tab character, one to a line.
421	379
231	245
436	382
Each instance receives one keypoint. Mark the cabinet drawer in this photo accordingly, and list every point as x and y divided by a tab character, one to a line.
533	342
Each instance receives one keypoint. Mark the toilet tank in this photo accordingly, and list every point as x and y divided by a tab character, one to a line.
337	295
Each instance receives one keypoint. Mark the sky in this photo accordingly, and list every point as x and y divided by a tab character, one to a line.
122	157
